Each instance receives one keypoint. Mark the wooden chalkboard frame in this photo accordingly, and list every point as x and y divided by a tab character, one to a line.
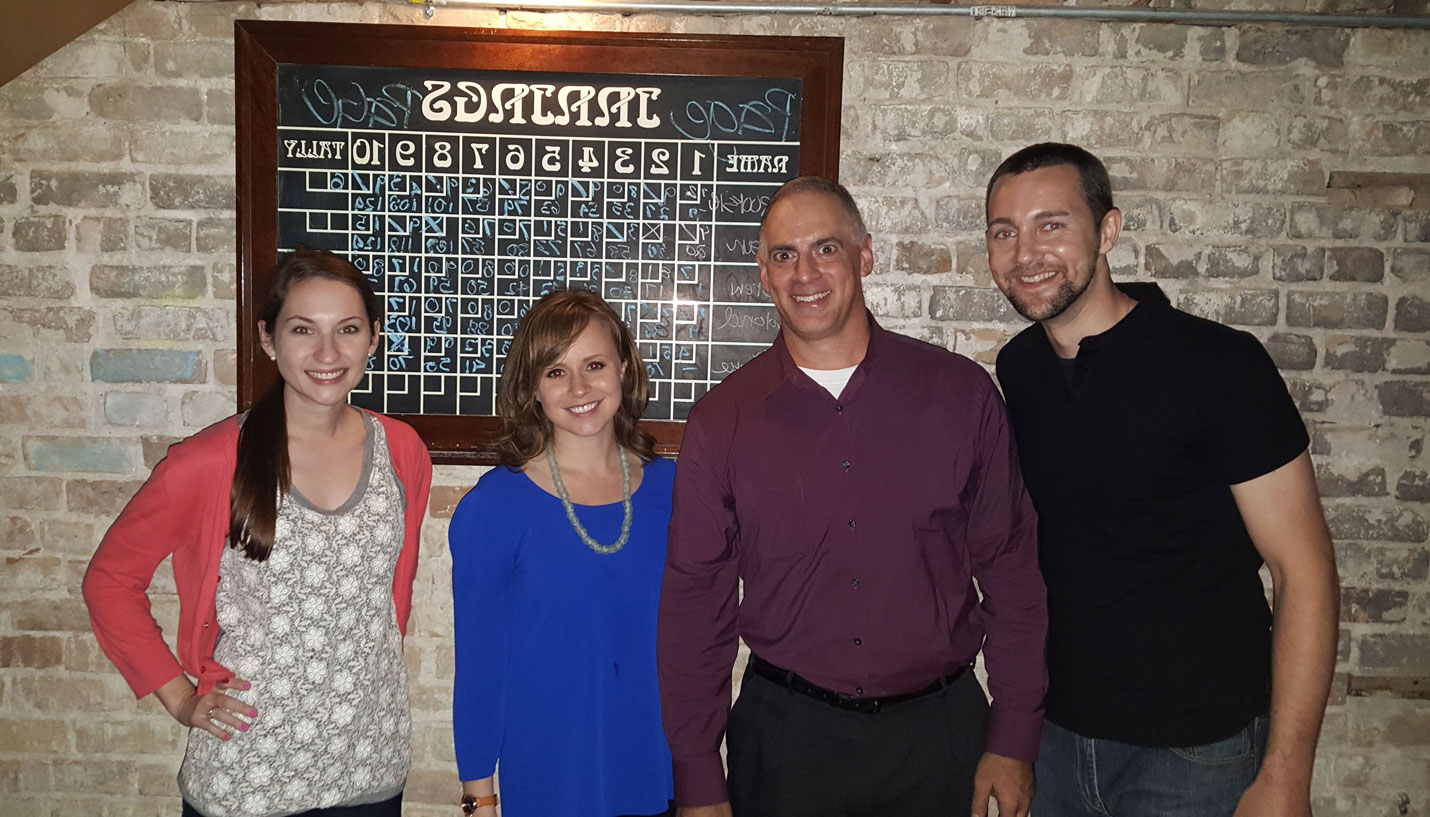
261	46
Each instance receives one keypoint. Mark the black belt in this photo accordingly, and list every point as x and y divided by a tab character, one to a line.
838	700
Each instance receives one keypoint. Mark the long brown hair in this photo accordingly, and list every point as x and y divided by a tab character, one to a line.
262	473
543	336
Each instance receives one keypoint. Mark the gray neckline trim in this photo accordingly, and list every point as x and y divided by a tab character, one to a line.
367	451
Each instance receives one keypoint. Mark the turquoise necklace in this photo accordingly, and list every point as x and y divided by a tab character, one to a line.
571	510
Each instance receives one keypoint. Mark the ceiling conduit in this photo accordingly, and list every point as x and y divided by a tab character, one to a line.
864	9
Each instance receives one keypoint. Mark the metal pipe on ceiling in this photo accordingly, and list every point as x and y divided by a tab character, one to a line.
859	8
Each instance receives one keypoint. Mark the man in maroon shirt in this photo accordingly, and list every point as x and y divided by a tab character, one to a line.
858	482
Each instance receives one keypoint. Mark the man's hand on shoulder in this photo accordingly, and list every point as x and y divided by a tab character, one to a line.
1006	780
1264	798
717	810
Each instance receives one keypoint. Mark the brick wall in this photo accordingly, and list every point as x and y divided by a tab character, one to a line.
1273	178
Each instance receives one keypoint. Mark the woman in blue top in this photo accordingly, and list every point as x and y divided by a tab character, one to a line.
556	569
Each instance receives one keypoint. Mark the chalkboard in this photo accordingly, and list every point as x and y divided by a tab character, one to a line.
467	185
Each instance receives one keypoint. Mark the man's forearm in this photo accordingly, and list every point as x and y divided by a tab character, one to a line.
1282	512
1303	658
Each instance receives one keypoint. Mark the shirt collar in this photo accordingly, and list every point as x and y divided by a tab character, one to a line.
1152	306
790	374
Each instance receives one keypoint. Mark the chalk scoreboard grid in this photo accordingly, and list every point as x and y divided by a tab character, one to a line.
461	231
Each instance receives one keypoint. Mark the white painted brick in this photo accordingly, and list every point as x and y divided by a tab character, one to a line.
117	331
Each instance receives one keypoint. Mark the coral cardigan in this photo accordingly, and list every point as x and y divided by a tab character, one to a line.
183	509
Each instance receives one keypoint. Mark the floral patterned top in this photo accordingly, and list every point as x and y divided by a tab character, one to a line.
314	630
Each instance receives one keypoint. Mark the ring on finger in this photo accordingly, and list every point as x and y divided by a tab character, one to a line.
210	714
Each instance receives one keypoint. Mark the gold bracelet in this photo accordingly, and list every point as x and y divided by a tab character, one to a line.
471	802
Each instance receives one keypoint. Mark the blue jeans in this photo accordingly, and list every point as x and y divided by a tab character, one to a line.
1088	777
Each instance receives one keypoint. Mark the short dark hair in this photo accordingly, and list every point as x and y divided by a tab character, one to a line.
543	336
1091	173
818	184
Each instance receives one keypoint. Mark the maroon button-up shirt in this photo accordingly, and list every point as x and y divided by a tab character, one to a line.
858	525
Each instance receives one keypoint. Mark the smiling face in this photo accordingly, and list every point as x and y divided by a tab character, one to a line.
812	259
580	393
321	340
1043	248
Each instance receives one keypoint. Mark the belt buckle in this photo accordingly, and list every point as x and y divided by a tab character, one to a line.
856	704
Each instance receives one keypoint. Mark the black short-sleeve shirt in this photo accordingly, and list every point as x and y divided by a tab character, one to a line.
1159	631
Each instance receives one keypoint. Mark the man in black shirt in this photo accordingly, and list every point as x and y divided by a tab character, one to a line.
1167	463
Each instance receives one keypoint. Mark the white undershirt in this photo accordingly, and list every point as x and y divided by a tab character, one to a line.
833	380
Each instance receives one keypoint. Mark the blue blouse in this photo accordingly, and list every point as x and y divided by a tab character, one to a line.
555	649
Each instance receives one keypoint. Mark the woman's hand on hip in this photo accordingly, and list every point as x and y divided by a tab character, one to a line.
212	711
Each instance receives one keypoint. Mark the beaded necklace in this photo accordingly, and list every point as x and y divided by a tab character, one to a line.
571	510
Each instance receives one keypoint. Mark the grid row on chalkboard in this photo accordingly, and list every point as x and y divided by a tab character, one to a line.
473	157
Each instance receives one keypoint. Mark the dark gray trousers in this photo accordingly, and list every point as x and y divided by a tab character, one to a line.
790	755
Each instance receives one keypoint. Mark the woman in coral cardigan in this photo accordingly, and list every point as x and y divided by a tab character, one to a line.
293	530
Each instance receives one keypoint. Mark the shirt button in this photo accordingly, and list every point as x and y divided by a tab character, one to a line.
853	582
851	523
206	625
846	465
838	408
858	690
858	642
